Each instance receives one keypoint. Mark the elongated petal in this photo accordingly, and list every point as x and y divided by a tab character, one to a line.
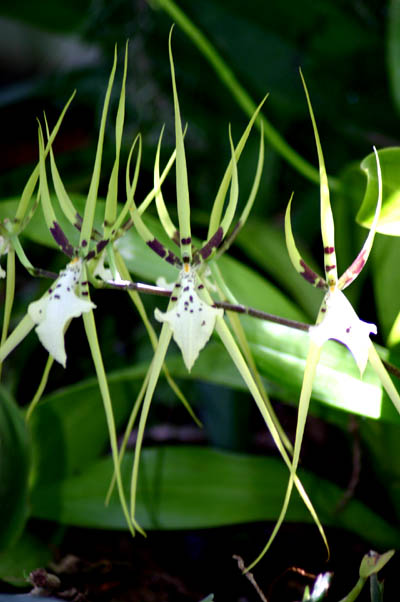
327	225
352	272
191	320
340	322
52	312
182	186
298	263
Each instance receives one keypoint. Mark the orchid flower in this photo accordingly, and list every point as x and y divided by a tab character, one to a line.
336	318
191	315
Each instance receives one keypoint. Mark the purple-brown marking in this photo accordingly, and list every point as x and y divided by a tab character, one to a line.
90	255
311	276
186	241
328	268
157	247
100	245
212	244
329	250
355	267
61	239
172	259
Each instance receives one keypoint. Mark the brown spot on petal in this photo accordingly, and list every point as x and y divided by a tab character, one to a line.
329	250
311	276
212	244
61	239
157	247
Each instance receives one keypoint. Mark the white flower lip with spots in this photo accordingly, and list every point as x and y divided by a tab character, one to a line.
52	312
340	322
191	320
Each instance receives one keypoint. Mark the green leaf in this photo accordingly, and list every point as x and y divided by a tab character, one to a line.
195	487
386	280
14	470
58	451
389	220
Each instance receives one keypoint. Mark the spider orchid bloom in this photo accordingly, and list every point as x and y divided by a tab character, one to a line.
53	312
336	318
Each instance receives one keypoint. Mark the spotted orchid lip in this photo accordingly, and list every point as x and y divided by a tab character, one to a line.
191	319
57	307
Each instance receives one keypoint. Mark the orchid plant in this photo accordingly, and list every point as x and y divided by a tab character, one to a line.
336	319
193	313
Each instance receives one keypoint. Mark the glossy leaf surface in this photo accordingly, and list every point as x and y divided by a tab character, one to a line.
192	487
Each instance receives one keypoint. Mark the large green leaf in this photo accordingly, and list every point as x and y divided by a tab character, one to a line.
193	487
389	220
14	470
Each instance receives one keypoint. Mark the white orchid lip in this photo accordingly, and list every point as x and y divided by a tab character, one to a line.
339	321
191	319
56	308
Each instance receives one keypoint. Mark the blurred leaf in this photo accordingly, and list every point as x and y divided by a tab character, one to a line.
195	487
393	49
382	445
386	280
78	408
65	15
389	220
14	470
28	553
